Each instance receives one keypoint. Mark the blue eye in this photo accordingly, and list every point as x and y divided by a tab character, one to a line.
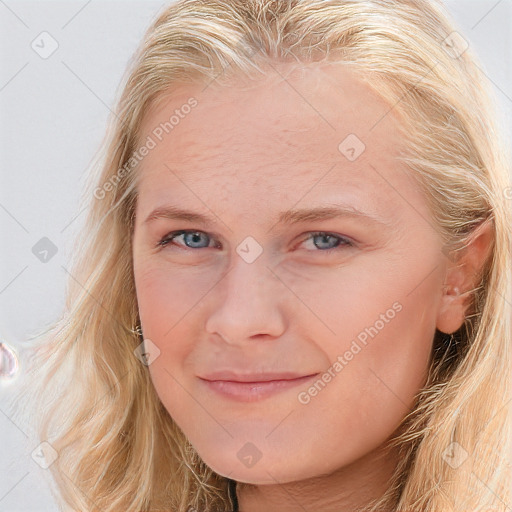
328	239
327	242
189	237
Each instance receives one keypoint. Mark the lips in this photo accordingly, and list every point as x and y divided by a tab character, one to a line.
253	377
250	387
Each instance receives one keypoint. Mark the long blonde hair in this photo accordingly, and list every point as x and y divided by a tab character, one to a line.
92	398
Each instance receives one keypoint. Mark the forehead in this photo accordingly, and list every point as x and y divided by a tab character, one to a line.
283	138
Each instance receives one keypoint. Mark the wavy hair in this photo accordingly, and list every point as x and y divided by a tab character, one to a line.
91	398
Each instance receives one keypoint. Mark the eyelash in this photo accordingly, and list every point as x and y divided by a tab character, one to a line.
344	241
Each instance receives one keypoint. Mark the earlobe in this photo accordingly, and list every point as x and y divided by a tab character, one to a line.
463	278
452	311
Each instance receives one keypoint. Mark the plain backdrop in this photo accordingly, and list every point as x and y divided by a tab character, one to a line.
54	110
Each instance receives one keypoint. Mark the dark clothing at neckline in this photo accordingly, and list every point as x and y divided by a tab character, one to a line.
232	494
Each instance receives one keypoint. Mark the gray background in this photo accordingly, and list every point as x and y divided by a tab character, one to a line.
53	114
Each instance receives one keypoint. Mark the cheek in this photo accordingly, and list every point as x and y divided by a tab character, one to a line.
171	302
383	323
166	302
165	298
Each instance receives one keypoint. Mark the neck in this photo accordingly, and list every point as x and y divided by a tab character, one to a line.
350	488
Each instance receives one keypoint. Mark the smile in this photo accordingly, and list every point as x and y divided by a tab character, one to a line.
253	391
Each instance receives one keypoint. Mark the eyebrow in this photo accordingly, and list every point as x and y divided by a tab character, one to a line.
289	217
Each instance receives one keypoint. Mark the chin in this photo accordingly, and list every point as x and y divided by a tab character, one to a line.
260	474
244	462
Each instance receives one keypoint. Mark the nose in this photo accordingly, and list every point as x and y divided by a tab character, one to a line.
248	303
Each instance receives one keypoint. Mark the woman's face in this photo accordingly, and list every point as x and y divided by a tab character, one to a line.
310	262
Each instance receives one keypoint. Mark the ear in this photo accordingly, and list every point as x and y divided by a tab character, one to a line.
462	276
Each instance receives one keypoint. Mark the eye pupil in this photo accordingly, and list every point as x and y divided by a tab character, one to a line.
196	237
324	239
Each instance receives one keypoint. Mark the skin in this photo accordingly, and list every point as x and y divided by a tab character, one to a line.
243	156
